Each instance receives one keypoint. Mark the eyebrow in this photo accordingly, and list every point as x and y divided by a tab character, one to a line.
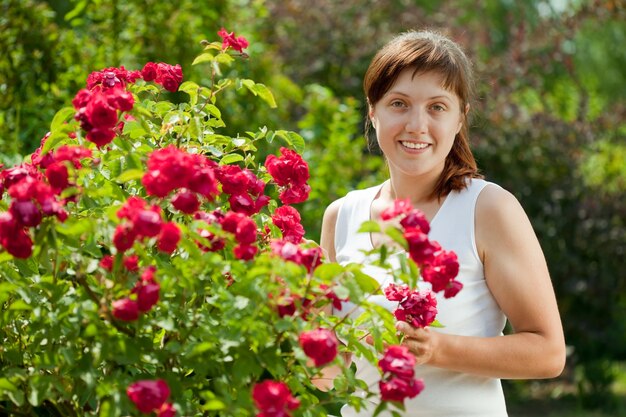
438	97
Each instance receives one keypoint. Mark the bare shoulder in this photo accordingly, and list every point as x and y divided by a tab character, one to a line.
327	239
499	217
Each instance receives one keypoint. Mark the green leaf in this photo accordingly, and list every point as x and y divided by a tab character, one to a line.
52	141
131	174
265	94
203	57
231	158
369	226
20	305
366	283
6	385
61	117
396	235
73	227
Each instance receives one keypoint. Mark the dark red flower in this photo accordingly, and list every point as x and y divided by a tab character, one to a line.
166	410
287	219
186	201
288	169
58	175
169	237
149	71
169	76
125	309
273	398
148	395
230	40
106	263
100	136
147	295
398	361
441	270
245	252
319	345
400	207
131	263
26	213
421	249
294	194
124	237
147	223
397	389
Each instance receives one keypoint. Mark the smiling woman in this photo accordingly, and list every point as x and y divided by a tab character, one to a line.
418	90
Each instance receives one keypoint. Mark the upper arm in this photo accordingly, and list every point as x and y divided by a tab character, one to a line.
327	238
515	267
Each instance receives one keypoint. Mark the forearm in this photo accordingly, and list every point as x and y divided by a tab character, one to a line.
523	355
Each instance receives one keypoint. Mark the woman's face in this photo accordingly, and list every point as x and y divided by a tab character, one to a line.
416	122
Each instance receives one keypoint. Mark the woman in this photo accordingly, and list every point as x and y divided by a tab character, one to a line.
418	90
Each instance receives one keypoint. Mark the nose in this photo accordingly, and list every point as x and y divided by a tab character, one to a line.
416	121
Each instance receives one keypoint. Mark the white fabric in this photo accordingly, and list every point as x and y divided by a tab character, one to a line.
473	312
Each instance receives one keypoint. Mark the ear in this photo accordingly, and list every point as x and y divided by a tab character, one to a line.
370	114
463	118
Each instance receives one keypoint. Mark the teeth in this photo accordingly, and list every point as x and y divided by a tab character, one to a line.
414	145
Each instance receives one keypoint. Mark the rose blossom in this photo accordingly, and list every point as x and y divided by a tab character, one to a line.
397	389
418	308
186	201
441	271
287	219
230	40
319	345
148	395
169	237
125	309
273	399
398	361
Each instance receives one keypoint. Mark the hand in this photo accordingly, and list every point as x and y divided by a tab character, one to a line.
422	343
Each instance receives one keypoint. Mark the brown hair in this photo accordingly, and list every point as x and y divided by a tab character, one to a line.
427	51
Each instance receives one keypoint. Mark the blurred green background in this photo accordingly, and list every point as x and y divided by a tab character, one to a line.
549	123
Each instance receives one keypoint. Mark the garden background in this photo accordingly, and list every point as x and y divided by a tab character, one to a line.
549	125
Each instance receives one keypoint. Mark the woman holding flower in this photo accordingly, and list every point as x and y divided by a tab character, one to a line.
418	90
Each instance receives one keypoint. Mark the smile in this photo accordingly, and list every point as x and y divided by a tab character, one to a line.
413	145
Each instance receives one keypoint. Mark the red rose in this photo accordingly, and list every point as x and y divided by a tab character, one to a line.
147	223
330	294
124	237
421	249
57	175
126	309
245	252
106	263
26	213
100	136
203	182
397	389
131	263
166	410
287	219
441	270
419	309
399	208
147	295
120	99
169	76
149	71
82	98
288	169
273	398
169	237
100	113
233	179
398	361
416	219
229	40
319	345
395	292
452	289
294	194
148	395
186	201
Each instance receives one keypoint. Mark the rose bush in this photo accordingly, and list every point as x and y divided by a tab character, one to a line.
151	264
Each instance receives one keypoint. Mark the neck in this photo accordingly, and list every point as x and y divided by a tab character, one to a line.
418	190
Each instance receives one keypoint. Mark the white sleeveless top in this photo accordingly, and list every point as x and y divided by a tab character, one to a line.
473	312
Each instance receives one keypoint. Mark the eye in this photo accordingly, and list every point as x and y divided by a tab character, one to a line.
438	107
